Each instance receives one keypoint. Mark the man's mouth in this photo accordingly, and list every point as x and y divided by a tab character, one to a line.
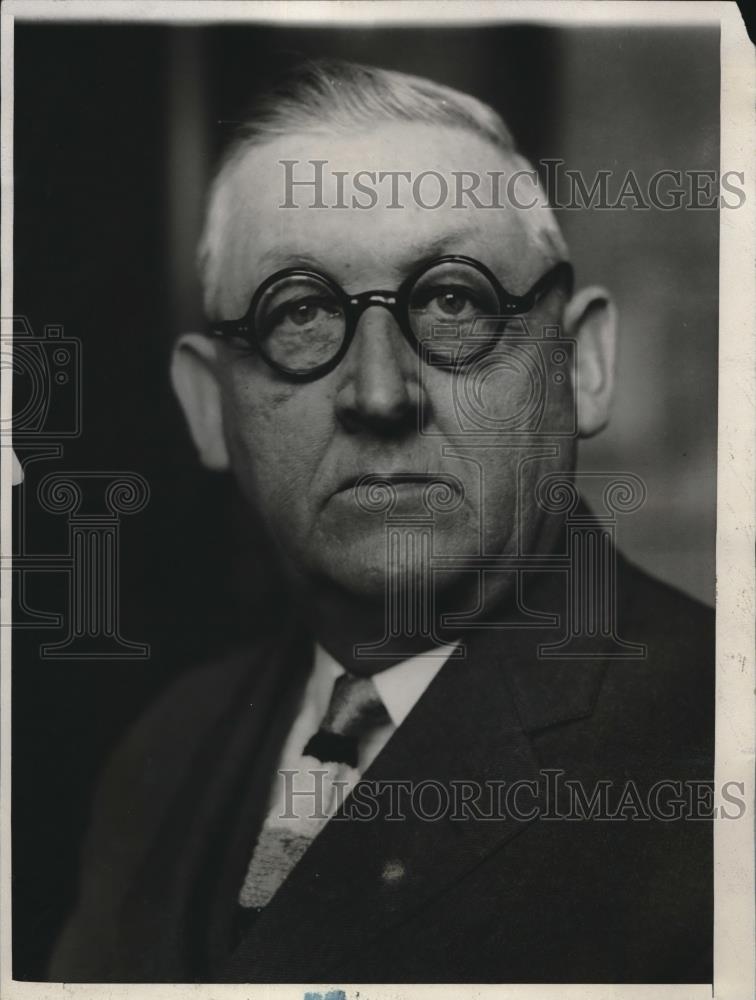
385	492
395	479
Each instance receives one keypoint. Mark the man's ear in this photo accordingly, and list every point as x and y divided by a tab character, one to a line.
195	381
590	318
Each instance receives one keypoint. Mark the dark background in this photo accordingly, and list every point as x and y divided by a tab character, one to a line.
116	128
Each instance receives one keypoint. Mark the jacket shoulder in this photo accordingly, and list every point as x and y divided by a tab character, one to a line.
647	601
158	748
664	697
135	793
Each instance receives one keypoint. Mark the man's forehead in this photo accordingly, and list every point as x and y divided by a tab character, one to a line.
386	146
326	225
413	250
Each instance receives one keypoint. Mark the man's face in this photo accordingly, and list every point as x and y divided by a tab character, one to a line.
298	448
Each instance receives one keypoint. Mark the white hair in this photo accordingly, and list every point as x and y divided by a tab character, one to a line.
343	96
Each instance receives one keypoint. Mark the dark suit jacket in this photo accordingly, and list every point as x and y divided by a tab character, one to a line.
450	900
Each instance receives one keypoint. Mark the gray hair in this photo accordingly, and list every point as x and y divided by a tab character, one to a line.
342	96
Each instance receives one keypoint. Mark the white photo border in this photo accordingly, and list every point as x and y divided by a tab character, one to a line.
734	926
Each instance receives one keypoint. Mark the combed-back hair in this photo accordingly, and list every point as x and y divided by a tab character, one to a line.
344	95
336	96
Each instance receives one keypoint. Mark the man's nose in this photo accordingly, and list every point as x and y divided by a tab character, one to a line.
379	391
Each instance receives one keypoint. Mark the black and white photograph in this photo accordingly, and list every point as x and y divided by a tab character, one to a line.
378	508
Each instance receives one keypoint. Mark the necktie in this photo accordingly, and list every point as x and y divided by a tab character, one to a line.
355	706
307	801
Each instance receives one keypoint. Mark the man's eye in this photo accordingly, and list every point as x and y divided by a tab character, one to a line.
306	311
452	302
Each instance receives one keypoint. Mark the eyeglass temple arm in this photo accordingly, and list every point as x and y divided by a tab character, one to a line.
561	272
229	328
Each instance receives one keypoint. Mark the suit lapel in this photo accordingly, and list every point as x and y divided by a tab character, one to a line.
358	878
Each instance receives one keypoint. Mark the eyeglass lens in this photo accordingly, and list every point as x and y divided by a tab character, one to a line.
446	305
300	323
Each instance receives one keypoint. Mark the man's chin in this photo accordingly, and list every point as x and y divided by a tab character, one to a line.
366	576
370	568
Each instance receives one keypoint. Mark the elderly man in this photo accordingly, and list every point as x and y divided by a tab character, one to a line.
375	796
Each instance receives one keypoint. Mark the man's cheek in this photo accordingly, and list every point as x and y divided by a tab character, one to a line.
493	396
280	477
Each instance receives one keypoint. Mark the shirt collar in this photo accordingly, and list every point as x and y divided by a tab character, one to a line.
399	687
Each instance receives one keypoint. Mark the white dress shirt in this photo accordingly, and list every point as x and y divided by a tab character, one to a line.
399	687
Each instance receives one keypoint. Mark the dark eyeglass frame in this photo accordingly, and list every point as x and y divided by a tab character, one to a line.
398	304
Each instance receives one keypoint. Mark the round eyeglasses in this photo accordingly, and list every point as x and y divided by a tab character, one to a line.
301	323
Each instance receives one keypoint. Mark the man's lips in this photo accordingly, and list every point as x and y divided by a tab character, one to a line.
388	492
398	478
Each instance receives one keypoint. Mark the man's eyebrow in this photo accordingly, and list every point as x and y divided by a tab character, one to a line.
415	255
422	252
279	259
